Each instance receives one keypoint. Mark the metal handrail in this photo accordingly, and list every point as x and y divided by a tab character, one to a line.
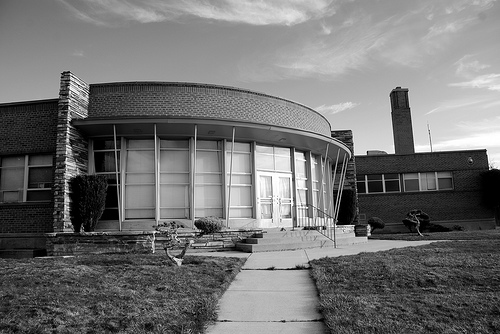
317	219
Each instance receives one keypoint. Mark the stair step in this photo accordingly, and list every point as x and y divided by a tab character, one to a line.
268	241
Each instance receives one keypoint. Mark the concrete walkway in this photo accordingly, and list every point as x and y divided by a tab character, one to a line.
264	299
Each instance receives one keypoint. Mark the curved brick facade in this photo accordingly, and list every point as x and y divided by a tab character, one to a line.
188	100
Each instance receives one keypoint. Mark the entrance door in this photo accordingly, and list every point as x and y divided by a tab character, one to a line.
275	200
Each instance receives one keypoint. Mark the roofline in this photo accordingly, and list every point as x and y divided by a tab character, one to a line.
10	104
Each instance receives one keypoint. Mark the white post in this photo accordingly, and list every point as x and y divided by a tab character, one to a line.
117	174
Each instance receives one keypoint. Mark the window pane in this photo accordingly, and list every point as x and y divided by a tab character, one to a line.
40	160
283	163
208	162
240	179
141	144
174	161
39	195
208	178
17	161
375	187
392	186
106	144
205	144
241	163
411	182
300	169
375	183
361	187
11	178
283	151
208	196
105	161
264	149
241	196
174	144
238	147
264	162
428	181
40	177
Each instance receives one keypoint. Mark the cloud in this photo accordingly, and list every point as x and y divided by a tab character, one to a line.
465	102
467	67
488	81
270	12
78	53
336	108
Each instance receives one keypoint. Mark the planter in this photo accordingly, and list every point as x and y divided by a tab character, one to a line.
362	230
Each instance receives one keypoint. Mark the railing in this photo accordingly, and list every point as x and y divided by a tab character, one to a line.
312	218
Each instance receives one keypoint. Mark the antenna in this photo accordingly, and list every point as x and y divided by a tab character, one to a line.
430	137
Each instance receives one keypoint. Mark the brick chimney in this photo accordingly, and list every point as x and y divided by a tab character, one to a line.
401	121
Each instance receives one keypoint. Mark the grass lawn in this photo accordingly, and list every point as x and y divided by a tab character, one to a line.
112	293
444	287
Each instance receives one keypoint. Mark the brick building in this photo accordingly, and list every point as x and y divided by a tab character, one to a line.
170	151
445	185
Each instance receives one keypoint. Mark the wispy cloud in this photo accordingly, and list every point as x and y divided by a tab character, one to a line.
78	53
464	102
466	66
269	12
336	108
488	81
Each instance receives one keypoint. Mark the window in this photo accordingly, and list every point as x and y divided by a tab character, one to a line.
26	178
241	205
378	183
273	158
429	181
105	164
208	179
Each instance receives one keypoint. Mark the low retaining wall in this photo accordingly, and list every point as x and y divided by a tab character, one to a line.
61	244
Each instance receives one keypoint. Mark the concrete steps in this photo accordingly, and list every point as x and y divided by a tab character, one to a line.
269	241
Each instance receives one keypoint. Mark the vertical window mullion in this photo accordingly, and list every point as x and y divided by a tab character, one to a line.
26	175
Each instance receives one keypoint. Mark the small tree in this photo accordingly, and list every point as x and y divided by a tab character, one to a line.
88	199
490	189
376	222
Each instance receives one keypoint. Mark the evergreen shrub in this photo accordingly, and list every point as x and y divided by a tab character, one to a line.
88	199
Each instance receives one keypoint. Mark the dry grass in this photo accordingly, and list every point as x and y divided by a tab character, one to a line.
113	293
444	287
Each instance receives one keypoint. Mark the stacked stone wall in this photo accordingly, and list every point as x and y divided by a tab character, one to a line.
72	146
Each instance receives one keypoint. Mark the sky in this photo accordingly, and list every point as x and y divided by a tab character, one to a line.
340	57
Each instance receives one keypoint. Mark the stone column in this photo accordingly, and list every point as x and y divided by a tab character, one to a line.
71	146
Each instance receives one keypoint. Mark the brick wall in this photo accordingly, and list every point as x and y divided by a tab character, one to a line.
461	203
27	128
26	217
201	101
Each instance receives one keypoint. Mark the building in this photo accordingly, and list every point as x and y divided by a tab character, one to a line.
445	185
170	151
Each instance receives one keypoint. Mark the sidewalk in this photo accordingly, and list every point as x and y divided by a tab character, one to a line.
265	299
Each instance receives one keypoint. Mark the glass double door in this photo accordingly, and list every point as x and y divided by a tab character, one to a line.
275	200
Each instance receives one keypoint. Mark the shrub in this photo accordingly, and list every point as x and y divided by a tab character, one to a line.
209	225
347	208
422	217
375	222
88	199
437	228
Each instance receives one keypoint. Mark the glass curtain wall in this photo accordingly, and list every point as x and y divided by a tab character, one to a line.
174	179
208	179
239	184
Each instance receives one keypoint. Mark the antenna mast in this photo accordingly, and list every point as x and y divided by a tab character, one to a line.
430	137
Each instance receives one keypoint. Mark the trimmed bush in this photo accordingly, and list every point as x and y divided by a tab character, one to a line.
209	225
376	222
88	199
